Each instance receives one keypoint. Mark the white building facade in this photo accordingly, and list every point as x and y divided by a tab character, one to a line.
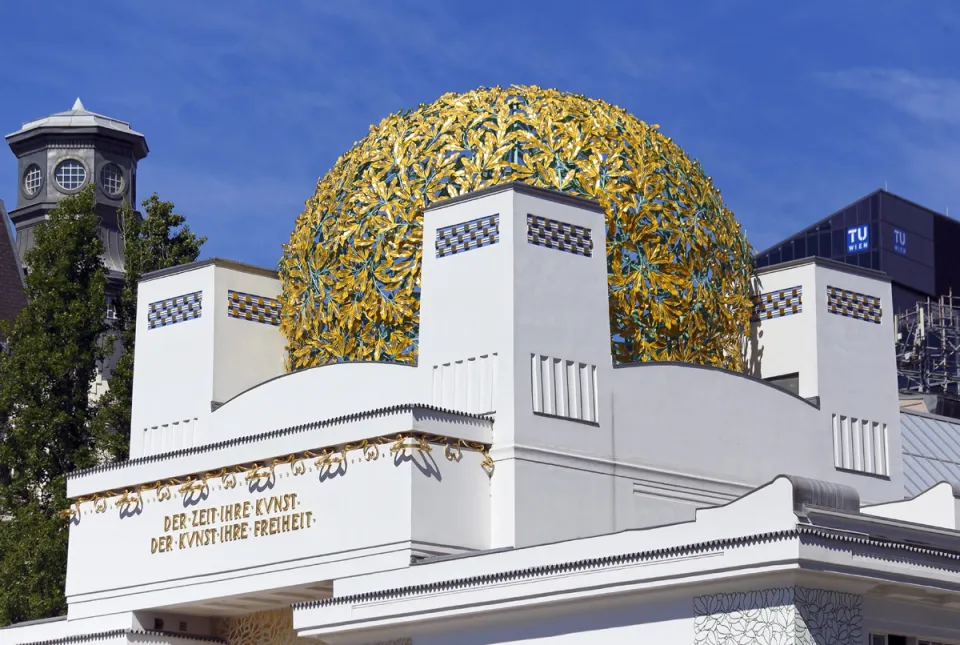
513	486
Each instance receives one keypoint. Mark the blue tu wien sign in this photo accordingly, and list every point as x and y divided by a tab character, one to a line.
900	241
858	238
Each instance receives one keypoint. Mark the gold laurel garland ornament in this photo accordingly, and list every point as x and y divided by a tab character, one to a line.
680	269
129	498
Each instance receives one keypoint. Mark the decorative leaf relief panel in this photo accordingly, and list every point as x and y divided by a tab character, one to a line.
264	628
779	616
828	617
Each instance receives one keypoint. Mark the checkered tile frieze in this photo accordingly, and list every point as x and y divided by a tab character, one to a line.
467	236
776	304
561	236
853	305
174	310
247	306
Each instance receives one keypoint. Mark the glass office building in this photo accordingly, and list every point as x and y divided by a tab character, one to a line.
918	248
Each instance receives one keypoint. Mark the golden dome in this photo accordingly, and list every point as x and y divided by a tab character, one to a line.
680	267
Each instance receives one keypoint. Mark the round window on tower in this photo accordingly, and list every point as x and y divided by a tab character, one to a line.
111	179
32	180
70	175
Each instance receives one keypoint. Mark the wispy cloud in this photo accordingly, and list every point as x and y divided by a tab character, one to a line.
246	103
929	98
921	152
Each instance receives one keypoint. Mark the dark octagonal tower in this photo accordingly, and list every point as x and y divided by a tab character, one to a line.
60	155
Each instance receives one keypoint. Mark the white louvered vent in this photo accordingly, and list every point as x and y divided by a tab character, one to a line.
169	436
467	385
860	445
564	388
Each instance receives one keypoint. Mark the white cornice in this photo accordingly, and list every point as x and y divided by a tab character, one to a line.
715	491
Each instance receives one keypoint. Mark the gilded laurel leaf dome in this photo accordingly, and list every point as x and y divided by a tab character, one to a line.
680	267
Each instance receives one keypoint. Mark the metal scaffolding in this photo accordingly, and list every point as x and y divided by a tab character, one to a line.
928	347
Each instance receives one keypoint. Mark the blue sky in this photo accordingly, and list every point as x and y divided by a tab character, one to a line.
245	104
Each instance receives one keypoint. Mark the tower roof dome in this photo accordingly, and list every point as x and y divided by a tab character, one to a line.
79	118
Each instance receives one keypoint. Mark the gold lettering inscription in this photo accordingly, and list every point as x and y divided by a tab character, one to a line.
261	517
162	544
283	524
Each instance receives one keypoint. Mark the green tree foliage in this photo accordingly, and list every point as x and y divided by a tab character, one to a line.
159	241
45	411
49	426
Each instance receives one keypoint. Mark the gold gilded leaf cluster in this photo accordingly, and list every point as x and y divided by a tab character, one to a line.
680	268
273	627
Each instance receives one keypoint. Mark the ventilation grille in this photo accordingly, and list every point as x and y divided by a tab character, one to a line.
163	313
854	305
553	234
247	306
467	236
564	388
466	385
860	445
777	304
169	437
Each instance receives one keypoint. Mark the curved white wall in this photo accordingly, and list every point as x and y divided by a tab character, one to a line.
726	426
715	422
315	394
